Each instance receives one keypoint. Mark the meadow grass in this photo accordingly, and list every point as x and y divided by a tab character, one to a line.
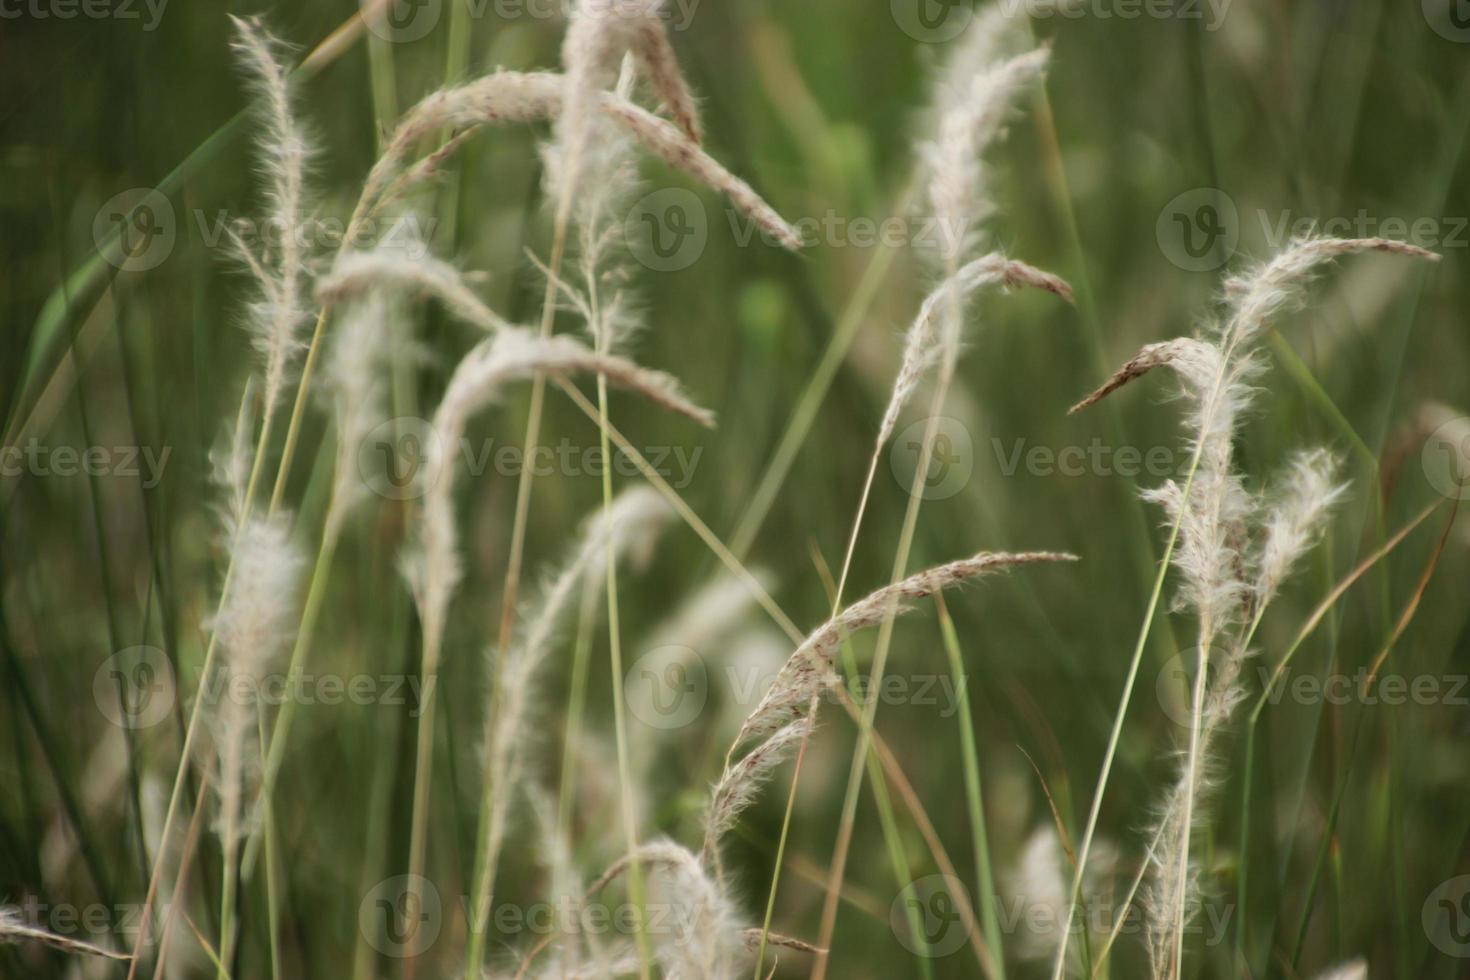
581	699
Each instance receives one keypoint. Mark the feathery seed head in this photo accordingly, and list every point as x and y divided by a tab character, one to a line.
974	98
1292	527
809	669
277	316
356	273
923	348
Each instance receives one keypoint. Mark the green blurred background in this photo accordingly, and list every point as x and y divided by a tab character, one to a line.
1270	112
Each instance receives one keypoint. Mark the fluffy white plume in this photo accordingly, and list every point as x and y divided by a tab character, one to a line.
1226	585
1040	885
279	312
357	273
923	344
704	941
1293	525
633	521
15	930
974	99
1356	969
512	354
738	785
601	32
808	671
355	376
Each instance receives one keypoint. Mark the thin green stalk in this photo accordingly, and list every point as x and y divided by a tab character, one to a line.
620	721
1191	778
1242	889
880	663
276	752
853	316
892	840
533	428
1085	851
227	893
186	751
760	958
272	901
902	871
576	705
974	801
298	409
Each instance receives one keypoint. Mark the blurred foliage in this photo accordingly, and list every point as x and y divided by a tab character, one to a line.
1307	110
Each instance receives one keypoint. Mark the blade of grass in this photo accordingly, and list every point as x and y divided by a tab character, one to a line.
1328	834
974	799
1242	887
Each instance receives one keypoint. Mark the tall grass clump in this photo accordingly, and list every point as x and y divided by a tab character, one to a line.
472	685
974	98
1232	547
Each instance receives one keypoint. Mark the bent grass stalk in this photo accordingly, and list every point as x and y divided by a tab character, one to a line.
620	720
880	662
889	761
974	798
1115	736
